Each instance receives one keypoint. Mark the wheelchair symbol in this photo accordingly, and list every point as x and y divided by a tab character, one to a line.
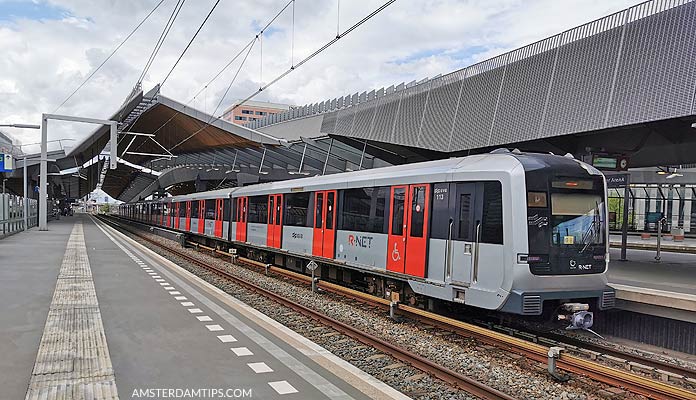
395	255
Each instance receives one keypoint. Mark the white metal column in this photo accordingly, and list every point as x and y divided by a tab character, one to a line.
43	195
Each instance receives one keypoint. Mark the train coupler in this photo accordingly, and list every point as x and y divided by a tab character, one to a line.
554	355
577	315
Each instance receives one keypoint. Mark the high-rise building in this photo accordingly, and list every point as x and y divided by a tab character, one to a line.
251	111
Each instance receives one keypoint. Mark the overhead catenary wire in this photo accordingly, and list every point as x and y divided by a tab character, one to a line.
241	51
222	98
292	40
305	60
224	68
159	88
167	27
189	43
109	56
317	52
338	17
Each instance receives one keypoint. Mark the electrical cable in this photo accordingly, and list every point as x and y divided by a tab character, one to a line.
159	88
223	69
110	55
189	44
222	98
167	27
306	59
317	52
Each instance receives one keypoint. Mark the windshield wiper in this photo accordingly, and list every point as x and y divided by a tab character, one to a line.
592	230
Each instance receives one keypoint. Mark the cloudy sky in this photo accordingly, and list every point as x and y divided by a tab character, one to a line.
49	47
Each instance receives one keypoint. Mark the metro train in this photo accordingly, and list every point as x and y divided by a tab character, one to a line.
519	233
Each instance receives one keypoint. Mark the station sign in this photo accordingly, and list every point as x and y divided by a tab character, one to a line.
6	163
617	180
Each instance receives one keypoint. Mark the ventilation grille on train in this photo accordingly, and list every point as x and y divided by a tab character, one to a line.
531	305
608	299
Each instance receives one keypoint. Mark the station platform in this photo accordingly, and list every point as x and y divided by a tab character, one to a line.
634	241
666	288
89	313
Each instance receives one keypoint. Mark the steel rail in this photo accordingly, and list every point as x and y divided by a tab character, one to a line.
454	378
598	372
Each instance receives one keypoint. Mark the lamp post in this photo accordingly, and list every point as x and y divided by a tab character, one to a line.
25	208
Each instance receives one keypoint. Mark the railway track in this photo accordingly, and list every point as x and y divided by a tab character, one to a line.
454	378
615	377
593	351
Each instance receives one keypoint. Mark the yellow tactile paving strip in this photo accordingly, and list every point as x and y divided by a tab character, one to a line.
73	361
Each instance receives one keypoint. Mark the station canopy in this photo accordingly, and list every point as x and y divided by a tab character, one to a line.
168	146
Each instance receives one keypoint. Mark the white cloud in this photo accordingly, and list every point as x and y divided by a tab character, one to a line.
44	60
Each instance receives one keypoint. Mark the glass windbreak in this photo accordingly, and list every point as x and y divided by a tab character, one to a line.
577	219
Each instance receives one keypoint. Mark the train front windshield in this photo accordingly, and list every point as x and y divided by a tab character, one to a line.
577	220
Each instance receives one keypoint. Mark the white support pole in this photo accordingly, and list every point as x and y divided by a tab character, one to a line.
43	180
43	196
25	201
113	159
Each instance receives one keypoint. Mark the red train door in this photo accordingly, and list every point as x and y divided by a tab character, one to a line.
324	237
177	207
408	229
188	215
218	217
275	220
396	244
241	231
201	216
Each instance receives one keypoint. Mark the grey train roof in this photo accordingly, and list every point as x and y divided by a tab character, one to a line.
431	171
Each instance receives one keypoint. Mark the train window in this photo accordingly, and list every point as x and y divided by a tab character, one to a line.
398	213
258	209
278	209
210	209
226	209
194	209
464	216
364	210
271	207
440	214
329	210
296	206
417	211
182	209
492	221
319	210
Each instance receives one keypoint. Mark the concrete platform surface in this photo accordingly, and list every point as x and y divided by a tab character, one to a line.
167	330
688	245
675	272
